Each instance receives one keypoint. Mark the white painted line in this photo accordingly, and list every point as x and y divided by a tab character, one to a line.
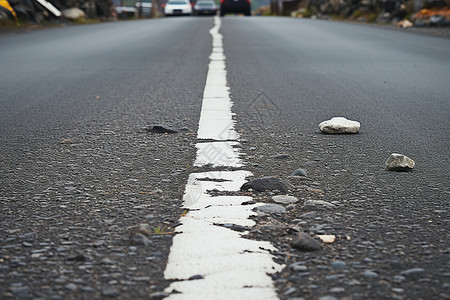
218	154
196	192
229	265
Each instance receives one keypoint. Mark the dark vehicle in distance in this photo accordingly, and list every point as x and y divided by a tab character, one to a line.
236	7
205	7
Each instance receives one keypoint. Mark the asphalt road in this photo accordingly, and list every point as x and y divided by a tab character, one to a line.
77	169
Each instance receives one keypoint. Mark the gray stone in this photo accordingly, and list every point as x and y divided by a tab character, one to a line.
271	208
338	125
318	204
399	162
284	199
299	172
143	229
161	129
299	267
290	291
338	264
398	279
310	215
413	273
304	242
140	239
370	274
265	184
71	286
28	236
107	261
333	277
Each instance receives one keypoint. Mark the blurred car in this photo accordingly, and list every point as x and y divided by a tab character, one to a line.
177	7
205	7
236	7
144	8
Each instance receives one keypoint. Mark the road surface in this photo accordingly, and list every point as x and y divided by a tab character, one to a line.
79	169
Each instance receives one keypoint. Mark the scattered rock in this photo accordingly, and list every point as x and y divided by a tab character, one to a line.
413	273
318	204
298	267
399	162
284	199
29	237
67	142
71	286
265	184
144	229
107	261
290	291
271	208
299	172
140	239
370	274
304	242
326	238
310	215
339	125
161	129
339	264
398	279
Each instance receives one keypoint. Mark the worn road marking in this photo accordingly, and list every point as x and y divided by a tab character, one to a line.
225	265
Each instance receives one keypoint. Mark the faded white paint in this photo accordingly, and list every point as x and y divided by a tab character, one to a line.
230	266
218	154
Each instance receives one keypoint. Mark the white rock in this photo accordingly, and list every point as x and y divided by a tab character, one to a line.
73	13
327	238
399	162
339	125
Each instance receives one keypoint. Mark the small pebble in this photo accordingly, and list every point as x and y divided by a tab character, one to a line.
370	274
299	172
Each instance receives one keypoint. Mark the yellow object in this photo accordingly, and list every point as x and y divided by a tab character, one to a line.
6	5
